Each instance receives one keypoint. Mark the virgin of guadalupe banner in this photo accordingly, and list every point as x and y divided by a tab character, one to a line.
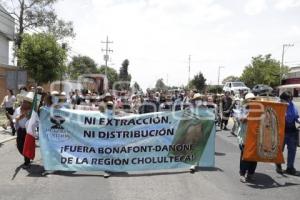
265	132
72	140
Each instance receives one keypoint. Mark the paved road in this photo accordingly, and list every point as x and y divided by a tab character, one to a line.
221	182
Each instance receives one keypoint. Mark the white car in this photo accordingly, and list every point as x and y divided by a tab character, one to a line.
235	87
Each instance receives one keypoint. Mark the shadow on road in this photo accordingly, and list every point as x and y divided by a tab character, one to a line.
17	171
263	181
38	171
73	174
113	174
35	170
125	174
209	169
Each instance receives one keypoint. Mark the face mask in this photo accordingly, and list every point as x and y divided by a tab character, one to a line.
199	103
109	112
55	100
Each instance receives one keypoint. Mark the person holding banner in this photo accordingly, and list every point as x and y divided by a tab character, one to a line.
291	133
246	167
198	101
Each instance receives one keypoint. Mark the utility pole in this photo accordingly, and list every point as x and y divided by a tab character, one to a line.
189	69
107	51
64	47
219	74
282	59
167	79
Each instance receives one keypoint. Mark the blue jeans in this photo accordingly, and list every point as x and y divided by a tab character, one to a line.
291	141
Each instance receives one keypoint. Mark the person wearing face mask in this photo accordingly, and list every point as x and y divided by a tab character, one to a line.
197	103
59	100
20	118
236	110
197	100
246	167
107	108
109	111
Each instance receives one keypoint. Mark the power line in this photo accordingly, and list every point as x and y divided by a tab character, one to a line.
295	61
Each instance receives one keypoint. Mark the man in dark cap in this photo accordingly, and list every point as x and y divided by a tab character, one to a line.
291	133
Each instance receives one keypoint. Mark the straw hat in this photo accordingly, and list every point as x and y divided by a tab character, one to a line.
249	96
197	96
54	93
110	103
237	97
26	96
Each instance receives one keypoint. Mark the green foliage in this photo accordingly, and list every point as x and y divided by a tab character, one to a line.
160	85
124	76
32	14
262	70
81	65
112	75
214	89
230	79
42	57
198	82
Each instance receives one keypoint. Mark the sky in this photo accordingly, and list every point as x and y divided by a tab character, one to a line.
157	36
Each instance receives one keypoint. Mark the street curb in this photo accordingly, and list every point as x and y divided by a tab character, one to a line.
8	139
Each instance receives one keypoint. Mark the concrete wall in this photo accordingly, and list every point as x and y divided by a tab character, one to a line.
4	50
3	86
8	79
7	33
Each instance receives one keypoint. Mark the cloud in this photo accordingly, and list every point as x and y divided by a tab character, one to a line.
285	4
294	31
255	7
158	35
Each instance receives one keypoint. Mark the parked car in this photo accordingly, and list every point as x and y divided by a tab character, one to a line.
261	89
235	87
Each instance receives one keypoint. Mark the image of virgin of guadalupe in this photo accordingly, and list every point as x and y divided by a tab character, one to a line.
194	129
268	142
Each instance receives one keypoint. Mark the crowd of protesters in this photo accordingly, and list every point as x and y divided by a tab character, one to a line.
122	103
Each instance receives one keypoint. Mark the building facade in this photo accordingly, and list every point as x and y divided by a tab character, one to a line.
293	77
7	34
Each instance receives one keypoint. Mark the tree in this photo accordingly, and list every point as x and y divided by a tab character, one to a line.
214	89
112	75
198	82
31	14
81	65
42	57
160	85
124	76
262	70
230	79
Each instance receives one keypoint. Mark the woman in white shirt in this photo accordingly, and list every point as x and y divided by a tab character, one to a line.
21	116
8	104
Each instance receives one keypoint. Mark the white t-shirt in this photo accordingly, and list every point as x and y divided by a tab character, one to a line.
9	101
21	123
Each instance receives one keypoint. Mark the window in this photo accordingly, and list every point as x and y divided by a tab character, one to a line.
238	84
